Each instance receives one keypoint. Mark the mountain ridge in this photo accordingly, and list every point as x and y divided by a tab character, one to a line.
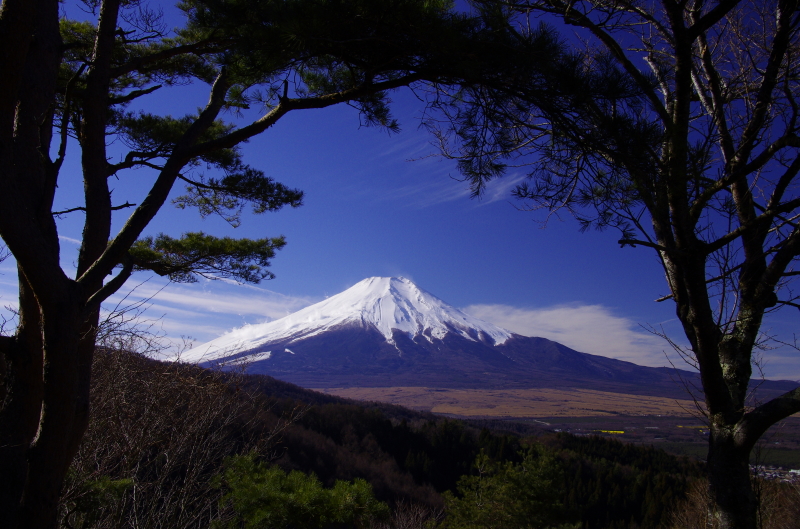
386	332
388	304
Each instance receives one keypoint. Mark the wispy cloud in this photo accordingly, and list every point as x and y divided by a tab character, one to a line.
501	188
424	178
783	363
433	186
265	304
590	329
9	290
437	190
69	239
207	309
595	329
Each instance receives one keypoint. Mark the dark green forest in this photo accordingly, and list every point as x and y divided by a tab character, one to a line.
163	437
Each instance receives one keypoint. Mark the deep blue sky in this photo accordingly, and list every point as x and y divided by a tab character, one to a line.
387	205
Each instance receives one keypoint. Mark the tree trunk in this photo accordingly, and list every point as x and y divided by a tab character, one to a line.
40	374
51	452
21	407
45	410
733	502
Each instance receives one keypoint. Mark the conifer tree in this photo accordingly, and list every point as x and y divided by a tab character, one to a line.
524	495
65	90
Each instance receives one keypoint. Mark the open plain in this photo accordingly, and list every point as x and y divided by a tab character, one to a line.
521	403
675	425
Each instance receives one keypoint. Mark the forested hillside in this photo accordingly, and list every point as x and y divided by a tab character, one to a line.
162	432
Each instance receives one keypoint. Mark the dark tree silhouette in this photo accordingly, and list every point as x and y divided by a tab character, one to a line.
676	123
65	85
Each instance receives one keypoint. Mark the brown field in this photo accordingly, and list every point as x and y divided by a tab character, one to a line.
520	403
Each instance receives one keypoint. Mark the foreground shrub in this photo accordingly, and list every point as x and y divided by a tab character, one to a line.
266	496
159	432
778	507
525	495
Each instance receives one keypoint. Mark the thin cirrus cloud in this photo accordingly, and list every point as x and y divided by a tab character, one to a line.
428	179
207	309
592	329
447	188
76	242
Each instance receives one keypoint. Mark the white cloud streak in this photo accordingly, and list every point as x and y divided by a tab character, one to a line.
592	329
595	329
266	305
429	180
439	188
69	240
207	310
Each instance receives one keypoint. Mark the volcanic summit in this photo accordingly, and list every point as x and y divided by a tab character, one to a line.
386	331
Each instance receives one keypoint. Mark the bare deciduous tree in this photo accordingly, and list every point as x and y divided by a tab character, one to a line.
161	431
676	123
778	507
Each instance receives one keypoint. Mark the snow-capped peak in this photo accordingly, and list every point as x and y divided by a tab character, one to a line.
385	303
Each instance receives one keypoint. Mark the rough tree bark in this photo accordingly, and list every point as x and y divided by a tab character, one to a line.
676	123
64	86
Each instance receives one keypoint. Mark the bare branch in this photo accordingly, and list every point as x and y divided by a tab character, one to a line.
158	194
65	117
93	303
756	422
82	208
712	17
130	96
287	105
149	62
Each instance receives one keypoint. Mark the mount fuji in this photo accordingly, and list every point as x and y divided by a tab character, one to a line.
387	332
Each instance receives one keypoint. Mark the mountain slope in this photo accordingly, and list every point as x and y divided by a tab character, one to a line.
380	303
386	332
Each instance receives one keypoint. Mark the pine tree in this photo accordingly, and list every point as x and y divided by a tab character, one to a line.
66	86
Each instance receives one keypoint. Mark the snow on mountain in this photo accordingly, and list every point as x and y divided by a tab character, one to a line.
384	303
